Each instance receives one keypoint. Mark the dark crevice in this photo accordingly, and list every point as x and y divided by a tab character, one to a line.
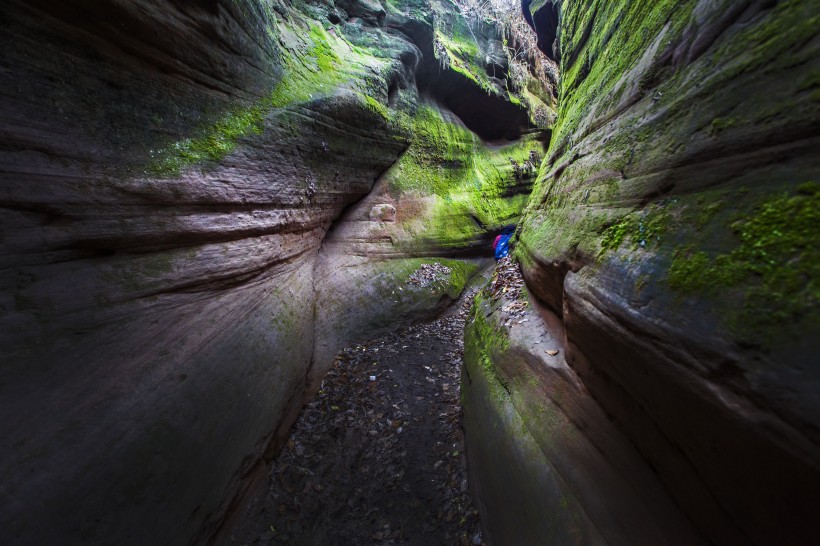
545	24
392	92
489	115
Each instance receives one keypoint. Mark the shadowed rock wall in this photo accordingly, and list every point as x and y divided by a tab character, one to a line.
158	257
168	171
670	233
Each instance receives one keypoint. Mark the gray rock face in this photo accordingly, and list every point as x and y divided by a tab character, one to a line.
157	331
669	234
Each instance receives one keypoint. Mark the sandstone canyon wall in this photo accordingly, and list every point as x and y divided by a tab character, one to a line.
202	201
657	380
170	171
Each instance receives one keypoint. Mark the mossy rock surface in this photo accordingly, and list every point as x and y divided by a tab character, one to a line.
670	218
545	460
470	189
177	170
178	167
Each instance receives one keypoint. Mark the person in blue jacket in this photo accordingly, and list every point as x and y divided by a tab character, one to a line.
501	245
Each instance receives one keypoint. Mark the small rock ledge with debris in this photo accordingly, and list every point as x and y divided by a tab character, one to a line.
429	274
378	456
507	282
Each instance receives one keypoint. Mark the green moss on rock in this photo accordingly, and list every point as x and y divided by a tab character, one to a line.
642	228
601	41
474	187
485	339
456	46
775	264
316	66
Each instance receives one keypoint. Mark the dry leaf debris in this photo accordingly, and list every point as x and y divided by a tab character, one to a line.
507	282
429	275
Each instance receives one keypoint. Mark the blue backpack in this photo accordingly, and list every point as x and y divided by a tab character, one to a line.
502	249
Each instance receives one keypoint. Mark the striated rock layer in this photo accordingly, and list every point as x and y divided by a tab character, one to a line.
168	172
672	237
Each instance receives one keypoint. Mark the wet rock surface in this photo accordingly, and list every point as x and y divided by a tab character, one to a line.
377	457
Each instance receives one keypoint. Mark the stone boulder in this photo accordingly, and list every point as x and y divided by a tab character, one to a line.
383	213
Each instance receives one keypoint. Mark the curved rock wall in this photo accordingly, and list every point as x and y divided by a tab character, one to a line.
447	196
169	172
671	234
547	464
164	202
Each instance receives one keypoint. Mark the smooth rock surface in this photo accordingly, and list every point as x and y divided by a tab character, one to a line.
546	461
383	213
168	173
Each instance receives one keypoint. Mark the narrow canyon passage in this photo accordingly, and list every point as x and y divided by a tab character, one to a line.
206	206
378	456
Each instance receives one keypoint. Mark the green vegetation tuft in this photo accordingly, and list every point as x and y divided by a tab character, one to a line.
642	229
776	265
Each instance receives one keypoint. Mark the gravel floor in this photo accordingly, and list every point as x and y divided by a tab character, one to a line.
378	456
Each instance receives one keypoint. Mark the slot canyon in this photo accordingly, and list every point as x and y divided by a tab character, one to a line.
243	237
